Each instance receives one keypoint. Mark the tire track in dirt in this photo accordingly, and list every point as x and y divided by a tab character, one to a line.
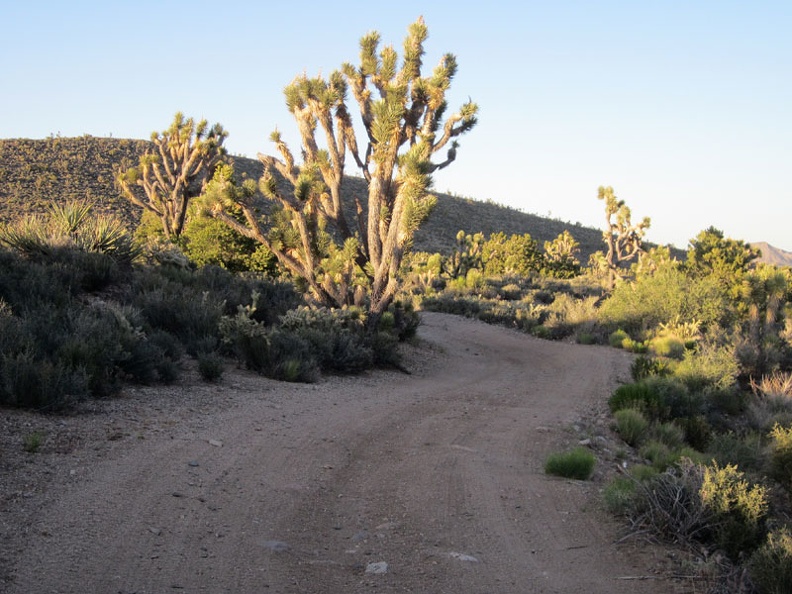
298	489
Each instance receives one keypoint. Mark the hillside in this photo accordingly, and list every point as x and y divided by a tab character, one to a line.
34	173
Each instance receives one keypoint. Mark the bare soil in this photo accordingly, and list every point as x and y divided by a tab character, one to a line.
430	482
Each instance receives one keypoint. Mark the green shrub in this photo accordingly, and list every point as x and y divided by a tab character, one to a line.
670	434
771	564
644	367
619	495
667	346
781	455
641	396
659	454
746	452
739	509
210	366
711	366
631	425
643	472
698	431
617	338
575	464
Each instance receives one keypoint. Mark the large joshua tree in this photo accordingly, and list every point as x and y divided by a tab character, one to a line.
175	171
404	126
623	238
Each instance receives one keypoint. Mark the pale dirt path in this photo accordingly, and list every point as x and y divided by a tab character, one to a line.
260	486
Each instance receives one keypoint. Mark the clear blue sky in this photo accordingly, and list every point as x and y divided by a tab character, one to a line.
684	107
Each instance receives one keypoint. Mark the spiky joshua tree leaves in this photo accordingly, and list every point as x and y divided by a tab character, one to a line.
404	126
175	171
623	239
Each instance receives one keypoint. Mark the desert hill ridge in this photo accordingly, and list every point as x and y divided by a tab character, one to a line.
36	172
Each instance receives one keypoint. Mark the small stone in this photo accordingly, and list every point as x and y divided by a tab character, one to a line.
377	568
216	443
463	557
585	442
193	463
276	546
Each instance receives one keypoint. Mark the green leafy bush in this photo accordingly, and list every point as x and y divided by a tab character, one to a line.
575	464
641	396
631	425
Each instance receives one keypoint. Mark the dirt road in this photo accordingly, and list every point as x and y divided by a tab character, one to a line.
431	482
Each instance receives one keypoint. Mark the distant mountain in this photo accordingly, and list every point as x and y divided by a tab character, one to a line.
773	255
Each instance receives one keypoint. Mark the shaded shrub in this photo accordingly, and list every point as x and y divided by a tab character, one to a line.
631	425
745	452
210	366
619	495
670	434
659	454
640	396
771	564
781	455
575	464
644	367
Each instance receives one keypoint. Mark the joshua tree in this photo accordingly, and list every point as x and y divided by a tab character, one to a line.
623	239
403	123
175	171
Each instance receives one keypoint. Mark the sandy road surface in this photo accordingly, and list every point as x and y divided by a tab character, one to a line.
257	486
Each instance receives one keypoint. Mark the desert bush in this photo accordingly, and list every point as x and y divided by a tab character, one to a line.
617	338
746	452
771	564
643	367
738	509
337	337
667	346
698	431
619	495
575	464
711	365
659	454
631	425
189	315
643	472
640	396
781	455
210	366
670	434
669	505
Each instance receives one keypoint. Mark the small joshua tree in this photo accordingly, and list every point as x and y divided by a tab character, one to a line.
177	169
402	115
623	239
